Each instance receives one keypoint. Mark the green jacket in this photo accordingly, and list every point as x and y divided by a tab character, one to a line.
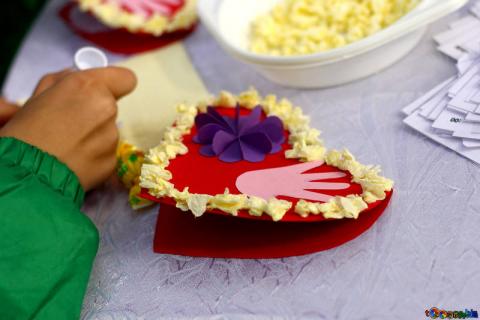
47	245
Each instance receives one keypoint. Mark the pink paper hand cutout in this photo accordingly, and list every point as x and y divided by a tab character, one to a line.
149	7
290	181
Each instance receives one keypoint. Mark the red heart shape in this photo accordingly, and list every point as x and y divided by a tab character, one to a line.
207	175
217	236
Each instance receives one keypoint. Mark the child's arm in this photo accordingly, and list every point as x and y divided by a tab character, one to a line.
47	245
59	144
7	111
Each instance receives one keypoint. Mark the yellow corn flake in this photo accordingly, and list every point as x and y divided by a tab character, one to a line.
369	197
229	203
257	206
337	208
305	152
155	179
225	99
269	103
136	202
373	184
186	109
130	161
296	120
172	149
305	208
155	25
277	208
298	27
249	99
129	166
173	134
181	198
282	109
308	136
197	203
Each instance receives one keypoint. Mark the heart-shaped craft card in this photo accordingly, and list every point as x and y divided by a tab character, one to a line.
154	17
257	158
131	26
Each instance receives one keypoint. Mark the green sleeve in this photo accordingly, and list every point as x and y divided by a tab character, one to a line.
47	245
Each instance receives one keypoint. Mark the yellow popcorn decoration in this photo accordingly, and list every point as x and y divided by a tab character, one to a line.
257	206
197	203
180	197
225	99
305	152
299	27
227	202
337	208
277	208
156	179
129	165
373	184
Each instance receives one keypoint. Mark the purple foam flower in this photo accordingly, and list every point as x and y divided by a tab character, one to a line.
238	138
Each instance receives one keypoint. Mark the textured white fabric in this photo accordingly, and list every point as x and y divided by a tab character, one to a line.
423	252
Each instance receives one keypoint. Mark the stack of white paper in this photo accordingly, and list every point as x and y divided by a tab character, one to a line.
450	112
462	36
476	9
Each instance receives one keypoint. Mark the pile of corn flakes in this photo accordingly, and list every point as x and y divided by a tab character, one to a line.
299	27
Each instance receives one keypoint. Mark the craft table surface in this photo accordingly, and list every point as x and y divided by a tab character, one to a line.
423	252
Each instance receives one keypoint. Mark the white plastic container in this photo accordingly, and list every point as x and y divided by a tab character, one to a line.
229	22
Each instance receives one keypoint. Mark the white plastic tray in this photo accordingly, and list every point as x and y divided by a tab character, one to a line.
229	20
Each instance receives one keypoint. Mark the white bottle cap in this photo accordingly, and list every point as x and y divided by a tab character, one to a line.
90	57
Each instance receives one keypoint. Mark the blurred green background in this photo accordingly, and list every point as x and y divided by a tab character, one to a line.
16	18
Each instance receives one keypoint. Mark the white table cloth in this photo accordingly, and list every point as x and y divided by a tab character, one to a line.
423	252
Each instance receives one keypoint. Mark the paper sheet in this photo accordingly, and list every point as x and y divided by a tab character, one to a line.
450	113
422	125
166	77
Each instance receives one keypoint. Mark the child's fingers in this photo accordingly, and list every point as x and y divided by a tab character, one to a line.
7	111
49	80
119	81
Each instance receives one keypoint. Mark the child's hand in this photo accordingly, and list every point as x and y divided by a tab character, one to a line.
7	111
50	79
74	119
